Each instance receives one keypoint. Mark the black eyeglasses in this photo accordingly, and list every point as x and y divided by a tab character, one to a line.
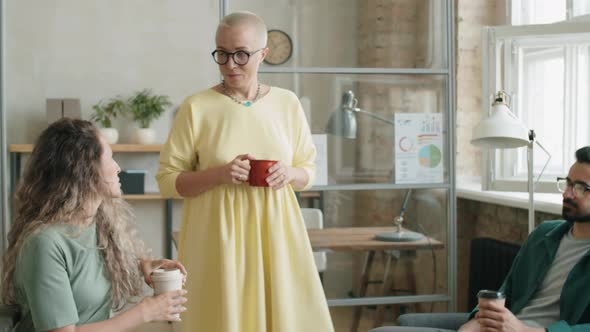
240	57
578	188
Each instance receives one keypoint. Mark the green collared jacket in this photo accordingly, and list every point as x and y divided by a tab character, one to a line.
529	269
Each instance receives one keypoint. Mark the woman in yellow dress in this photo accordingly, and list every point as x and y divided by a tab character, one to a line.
246	247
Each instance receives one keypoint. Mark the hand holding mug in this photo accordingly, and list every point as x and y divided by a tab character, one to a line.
166	282
493	315
163	307
237	170
279	176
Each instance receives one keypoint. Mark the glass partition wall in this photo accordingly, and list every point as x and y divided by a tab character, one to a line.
395	58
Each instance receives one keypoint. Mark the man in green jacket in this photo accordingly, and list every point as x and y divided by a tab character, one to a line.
548	286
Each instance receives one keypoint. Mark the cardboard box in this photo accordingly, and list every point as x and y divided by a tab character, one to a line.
71	108
132	182
59	108
54	110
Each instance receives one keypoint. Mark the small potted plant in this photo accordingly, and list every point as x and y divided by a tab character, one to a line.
145	107
104	115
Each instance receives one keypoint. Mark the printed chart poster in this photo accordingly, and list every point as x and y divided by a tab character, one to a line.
418	148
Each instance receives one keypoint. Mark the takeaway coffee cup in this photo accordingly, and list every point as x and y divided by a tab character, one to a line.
259	172
491	295
166	280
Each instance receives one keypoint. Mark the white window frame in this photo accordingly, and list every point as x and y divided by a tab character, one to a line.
517	11
505	170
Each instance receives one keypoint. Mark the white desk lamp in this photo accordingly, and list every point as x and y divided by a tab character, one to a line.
503	130
343	123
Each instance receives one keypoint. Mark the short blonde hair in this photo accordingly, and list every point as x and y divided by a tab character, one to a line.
249	19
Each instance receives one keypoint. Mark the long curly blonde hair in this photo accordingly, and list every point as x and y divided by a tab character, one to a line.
62	175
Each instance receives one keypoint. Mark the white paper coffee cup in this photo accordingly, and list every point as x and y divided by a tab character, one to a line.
486	295
166	280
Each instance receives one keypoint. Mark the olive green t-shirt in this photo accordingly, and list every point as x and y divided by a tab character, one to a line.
61	280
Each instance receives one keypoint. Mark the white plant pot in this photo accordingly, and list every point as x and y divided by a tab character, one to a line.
144	136
111	135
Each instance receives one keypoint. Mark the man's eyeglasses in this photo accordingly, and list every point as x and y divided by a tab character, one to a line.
240	57
578	188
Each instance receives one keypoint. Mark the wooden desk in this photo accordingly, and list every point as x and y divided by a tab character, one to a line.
356	239
363	239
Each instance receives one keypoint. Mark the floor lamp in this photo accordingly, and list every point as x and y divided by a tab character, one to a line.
343	123
503	130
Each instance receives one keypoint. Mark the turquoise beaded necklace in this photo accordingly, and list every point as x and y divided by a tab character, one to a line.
246	103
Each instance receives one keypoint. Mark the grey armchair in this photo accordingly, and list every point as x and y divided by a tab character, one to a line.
431	322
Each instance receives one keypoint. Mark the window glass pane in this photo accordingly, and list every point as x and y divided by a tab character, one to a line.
581	7
582	115
547	72
368	158
538	11
542	104
355	33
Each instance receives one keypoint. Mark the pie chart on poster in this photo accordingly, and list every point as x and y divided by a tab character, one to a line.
429	156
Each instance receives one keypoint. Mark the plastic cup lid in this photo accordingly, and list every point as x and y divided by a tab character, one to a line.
490	294
160	274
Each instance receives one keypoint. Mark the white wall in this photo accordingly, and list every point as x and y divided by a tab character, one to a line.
94	50
98	49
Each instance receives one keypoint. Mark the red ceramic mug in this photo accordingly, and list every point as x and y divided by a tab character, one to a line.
259	172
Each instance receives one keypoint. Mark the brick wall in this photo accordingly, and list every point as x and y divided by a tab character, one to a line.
471	16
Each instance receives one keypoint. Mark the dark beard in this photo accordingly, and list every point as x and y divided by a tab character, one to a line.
572	218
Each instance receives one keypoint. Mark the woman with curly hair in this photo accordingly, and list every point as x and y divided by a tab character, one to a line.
73	255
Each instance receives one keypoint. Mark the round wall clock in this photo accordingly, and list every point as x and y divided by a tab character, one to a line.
280	47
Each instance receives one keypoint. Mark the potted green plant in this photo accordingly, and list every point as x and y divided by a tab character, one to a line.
104	113
145	107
